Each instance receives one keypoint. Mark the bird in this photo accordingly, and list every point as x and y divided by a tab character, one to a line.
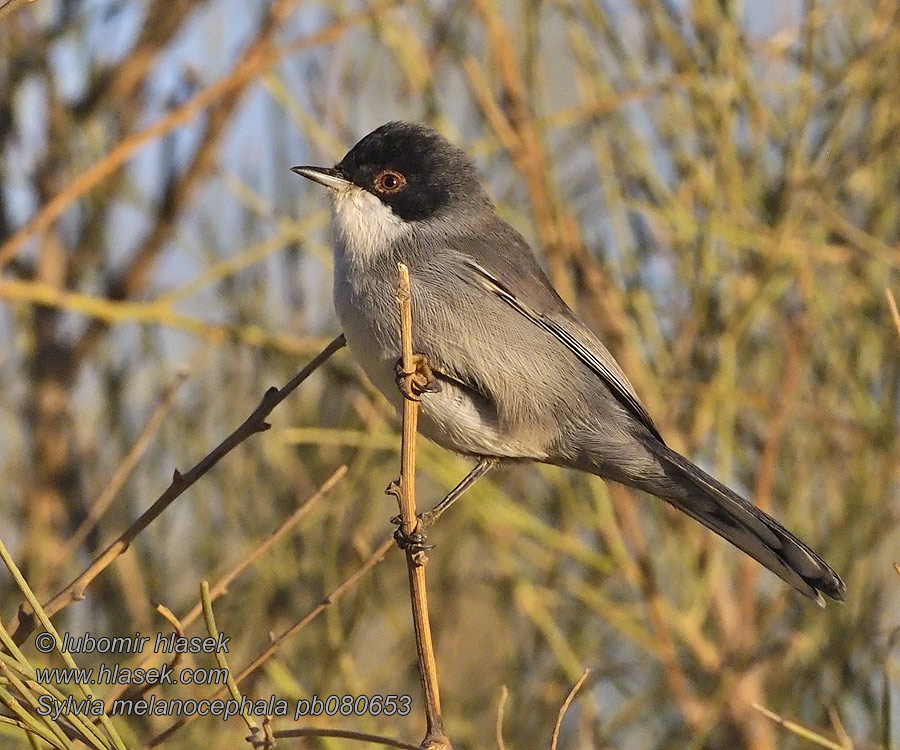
508	372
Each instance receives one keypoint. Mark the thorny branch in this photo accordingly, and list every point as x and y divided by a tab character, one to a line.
256	422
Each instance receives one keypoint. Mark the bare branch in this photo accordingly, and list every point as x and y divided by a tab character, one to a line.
415	561
256	422
565	707
376	557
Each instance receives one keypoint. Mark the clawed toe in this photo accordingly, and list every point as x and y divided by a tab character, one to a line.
425	520
420	380
414	542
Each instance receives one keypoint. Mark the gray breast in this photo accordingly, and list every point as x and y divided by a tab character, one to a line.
457	417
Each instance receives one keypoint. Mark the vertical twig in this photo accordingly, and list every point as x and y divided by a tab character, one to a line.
892	303
554	742
435	738
211	628
501	710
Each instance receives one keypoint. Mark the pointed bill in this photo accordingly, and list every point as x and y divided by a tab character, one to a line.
326	176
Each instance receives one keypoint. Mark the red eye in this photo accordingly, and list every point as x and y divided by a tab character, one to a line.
389	181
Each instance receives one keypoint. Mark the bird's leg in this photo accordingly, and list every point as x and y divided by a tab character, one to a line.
420	380
415	540
427	519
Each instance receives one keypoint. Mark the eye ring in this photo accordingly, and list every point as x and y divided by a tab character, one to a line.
389	181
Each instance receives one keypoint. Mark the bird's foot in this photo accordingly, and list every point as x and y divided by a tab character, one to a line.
414	542
420	380
424	521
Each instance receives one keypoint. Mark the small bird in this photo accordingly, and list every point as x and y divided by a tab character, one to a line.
508	372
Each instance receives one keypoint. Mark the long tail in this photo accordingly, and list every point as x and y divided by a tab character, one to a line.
693	491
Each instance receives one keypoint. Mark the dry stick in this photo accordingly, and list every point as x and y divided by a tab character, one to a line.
415	561
376	557
565	707
895	314
256	422
221	586
501	710
798	729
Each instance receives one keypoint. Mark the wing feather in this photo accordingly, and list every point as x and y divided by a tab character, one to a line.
579	341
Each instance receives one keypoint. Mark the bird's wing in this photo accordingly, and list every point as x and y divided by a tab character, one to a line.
578	339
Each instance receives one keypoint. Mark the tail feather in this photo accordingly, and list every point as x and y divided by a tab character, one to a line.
747	527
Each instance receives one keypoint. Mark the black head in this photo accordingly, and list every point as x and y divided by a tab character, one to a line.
409	167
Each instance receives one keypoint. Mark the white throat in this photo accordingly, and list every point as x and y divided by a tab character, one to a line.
365	226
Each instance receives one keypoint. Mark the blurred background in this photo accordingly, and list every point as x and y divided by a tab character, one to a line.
711	185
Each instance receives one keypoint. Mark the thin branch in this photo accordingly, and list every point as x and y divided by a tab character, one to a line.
255	423
230	682
501	710
158	313
895	314
565	707
376	557
415	561
798	729
221	586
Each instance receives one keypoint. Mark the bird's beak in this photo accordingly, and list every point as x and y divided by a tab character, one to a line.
326	176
